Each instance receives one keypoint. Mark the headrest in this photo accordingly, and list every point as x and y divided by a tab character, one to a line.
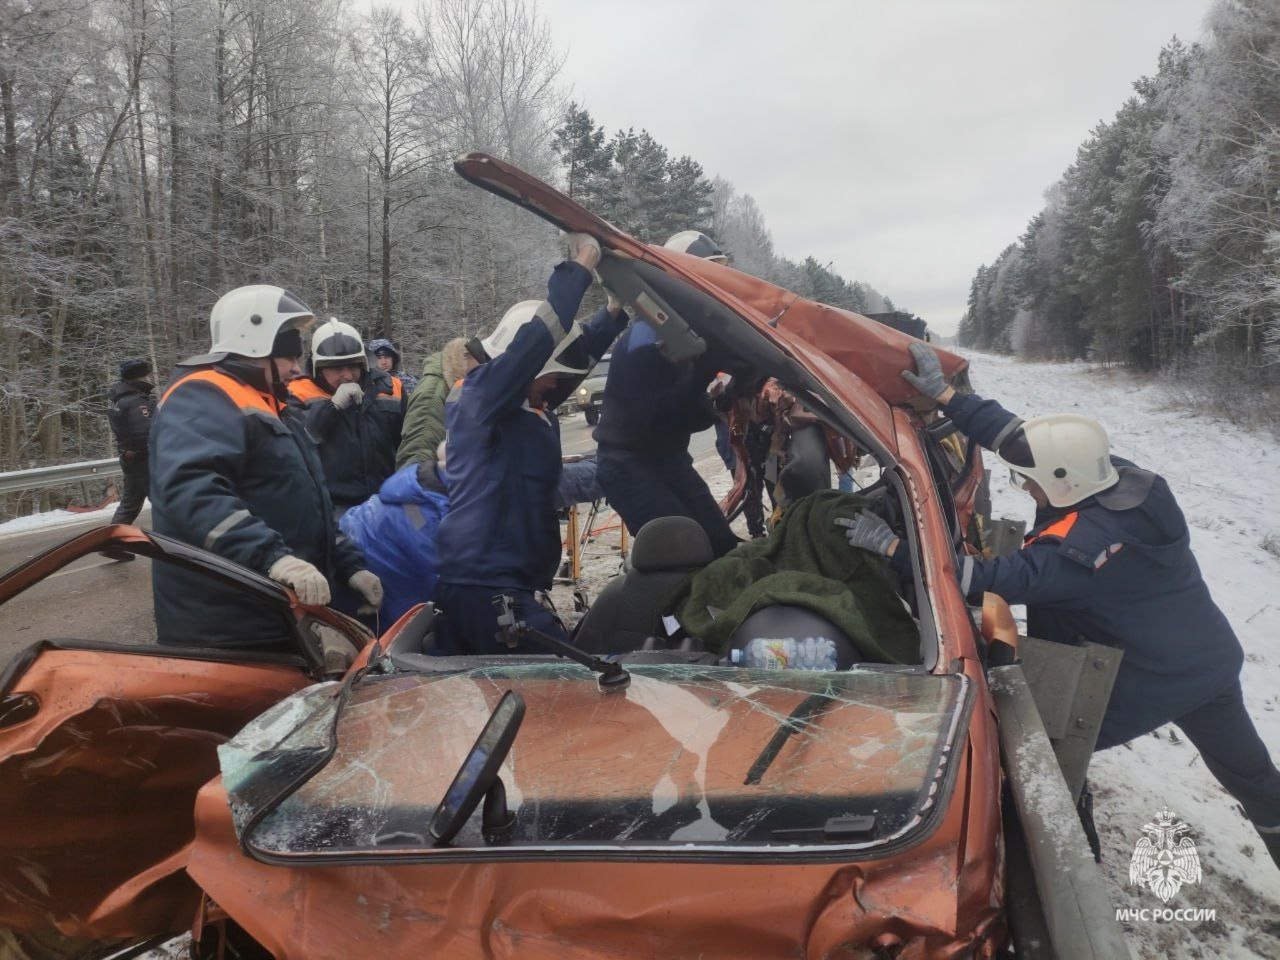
670	543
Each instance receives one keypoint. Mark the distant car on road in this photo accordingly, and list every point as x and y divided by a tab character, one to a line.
589	396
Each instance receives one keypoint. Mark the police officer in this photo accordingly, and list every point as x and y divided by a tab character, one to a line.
133	404
234	472
503	460
652	407
1109	560
354	414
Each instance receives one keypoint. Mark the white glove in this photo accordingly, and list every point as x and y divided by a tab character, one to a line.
347	395
306	581
368	586
583	249
337	652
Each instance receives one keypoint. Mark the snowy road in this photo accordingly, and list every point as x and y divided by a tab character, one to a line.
1227	481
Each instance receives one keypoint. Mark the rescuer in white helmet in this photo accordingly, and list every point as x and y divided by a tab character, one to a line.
1109	561
502	458
355	413
234	472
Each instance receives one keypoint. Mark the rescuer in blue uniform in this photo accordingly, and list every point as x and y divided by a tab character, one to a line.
652	407
233	472
1109	560
503	460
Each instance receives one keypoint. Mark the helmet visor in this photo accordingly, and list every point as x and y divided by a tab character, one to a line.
1017	451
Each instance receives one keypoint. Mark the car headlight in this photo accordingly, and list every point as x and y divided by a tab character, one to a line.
582	391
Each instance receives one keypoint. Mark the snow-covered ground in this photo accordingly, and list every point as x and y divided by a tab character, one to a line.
55	518
1227	481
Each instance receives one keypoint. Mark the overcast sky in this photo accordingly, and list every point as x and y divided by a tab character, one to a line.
907	142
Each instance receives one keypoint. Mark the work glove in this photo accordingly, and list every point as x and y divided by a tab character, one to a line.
347	395
336	651
306	581
583	249
368	586
867	532
928	379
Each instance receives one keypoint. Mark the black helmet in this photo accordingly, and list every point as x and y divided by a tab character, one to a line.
798	624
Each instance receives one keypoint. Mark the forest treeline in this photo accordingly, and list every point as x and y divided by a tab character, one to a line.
157	153
1160	246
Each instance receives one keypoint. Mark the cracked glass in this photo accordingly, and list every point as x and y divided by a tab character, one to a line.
686	756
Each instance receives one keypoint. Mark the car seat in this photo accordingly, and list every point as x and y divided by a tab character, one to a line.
628	610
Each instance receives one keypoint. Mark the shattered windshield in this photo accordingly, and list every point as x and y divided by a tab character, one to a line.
713	757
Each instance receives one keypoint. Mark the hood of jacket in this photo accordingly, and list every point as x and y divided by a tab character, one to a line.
453	361
403	487
382	343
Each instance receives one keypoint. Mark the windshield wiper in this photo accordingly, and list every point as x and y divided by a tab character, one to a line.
836	828
511	631
807	709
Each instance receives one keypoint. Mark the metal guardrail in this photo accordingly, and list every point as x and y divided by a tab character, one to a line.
38	478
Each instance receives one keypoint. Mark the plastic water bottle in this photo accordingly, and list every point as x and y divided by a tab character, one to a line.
787	653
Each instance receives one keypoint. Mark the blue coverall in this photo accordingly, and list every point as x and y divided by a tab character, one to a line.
651	409
502	535
1124	575
233	471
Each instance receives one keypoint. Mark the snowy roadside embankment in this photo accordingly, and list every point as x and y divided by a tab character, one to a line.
1227	481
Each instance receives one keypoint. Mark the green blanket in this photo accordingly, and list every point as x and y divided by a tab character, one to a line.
805	562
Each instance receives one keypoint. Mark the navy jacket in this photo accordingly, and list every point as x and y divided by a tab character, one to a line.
357	445
234	472
502	457
1121	577
133	405
651	405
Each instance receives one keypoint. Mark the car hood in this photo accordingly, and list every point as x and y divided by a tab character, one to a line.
856	358
714	760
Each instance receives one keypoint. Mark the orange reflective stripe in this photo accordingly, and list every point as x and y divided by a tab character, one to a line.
241	394
1058	529
304	389
397	388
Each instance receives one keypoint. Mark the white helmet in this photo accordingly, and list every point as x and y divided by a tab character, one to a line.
337	344
247	320
698	244
569	358
1065	454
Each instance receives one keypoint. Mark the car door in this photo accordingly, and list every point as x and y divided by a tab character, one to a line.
103	747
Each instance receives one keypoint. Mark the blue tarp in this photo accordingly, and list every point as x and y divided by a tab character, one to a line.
396	529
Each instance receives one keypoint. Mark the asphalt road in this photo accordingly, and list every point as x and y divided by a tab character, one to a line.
99	599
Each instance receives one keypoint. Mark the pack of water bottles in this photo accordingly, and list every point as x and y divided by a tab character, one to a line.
786	653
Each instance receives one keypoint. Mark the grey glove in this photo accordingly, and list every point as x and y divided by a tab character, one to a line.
347	395
305	580
368	586
929	379
867	532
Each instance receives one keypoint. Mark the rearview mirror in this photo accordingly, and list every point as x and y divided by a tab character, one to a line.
480	768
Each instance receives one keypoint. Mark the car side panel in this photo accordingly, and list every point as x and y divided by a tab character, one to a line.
101	754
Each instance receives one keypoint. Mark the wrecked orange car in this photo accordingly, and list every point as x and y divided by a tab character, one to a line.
653	802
